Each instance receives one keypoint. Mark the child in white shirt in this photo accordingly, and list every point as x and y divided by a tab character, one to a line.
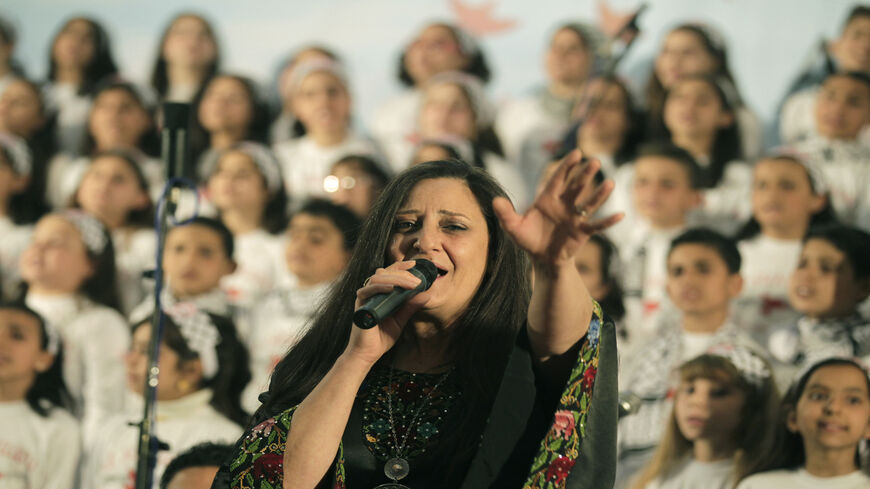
69	269
703	277
788	195
664	190
831	279
197	256
203	369
842	114
699	116
827	419
320	239
39	439
244	184
322	103
114	190
723	421
80	58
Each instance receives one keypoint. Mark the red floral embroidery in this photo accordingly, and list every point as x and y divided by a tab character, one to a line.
269	466
589	377
559	469
564	424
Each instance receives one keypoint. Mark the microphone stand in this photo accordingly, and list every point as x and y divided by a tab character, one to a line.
174	150
630	29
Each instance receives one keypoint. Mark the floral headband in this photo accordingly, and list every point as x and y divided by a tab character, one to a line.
92	231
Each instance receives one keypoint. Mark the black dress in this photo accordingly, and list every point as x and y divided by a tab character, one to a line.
537	436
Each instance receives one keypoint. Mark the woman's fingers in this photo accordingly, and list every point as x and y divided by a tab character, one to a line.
506	214
588	204
556	184
386	279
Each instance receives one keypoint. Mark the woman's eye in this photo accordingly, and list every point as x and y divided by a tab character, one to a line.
404	225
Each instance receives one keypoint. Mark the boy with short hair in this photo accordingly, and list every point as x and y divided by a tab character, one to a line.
196	256
830	282
842	115
320	241
665	190
846	53
703	277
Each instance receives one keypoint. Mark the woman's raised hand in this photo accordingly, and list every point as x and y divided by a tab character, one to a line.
559	221
370	344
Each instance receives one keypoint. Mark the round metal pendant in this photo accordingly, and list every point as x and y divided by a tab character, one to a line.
396	468
392	485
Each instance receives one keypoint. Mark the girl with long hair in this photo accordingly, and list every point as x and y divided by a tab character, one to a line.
722	423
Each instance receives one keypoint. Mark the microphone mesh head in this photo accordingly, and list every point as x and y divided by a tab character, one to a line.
428	269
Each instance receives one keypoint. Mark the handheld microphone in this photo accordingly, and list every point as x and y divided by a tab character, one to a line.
380	306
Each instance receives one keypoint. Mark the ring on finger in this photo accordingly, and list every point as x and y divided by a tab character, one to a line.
366	281
582	210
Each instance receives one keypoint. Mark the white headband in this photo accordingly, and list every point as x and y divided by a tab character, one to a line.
817	178
305	68
91	230
483	111
199	332
751	366
22	162
263	157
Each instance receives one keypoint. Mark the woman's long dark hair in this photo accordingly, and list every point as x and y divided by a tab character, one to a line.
727	146
233	372
482	337
29	206
149	141
102	65
655	91
160	72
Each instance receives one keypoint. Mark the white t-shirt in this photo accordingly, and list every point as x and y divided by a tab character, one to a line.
259	257
135	252
767	265
845	166
72	114
35	451
15	240
394	125
304	164
276	323
95	340
643	252
182	423
692	474
801	479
